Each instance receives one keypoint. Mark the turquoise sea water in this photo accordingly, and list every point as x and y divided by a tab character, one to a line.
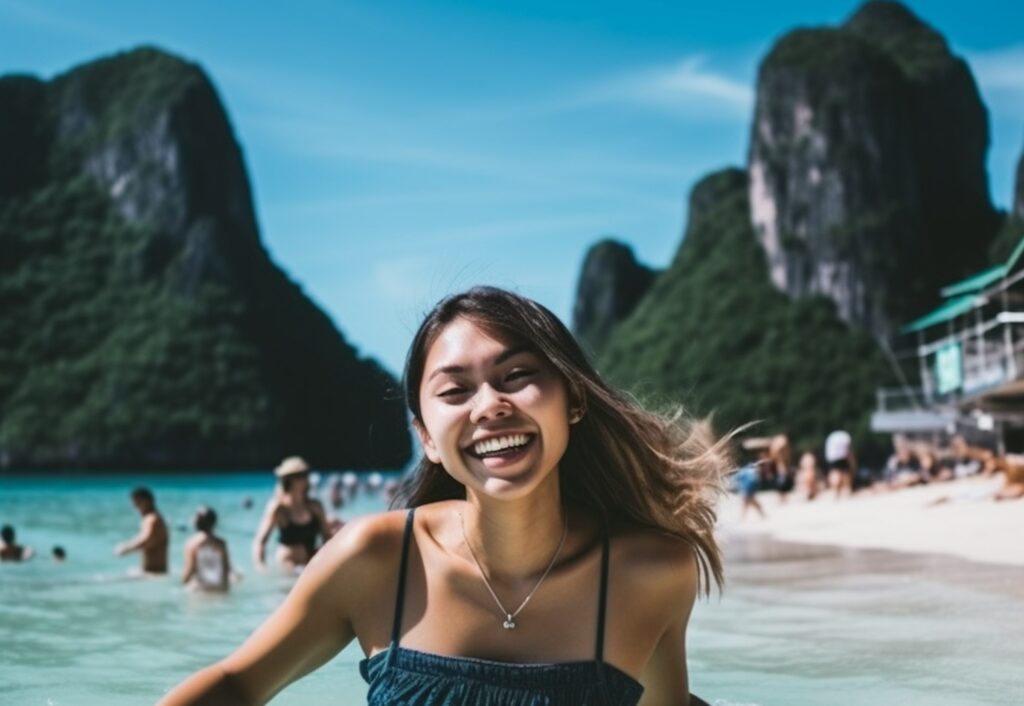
796	626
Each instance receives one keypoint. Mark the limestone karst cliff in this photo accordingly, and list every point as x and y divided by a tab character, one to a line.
867	157
145	325
610	284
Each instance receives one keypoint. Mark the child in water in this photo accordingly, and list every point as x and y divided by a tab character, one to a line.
207	566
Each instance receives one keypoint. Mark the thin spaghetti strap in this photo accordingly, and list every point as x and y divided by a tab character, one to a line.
603	598
400	597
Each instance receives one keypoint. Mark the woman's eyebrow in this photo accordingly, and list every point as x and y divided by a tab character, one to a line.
502	357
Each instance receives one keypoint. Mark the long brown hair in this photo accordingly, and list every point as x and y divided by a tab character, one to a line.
624	464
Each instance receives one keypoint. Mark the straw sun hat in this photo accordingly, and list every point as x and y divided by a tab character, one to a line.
290	466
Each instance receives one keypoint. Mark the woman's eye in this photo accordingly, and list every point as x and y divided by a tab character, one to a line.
516	374
451	391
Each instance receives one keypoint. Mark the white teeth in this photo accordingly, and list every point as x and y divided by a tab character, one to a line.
502	442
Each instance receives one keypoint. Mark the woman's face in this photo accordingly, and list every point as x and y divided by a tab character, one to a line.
297	483
494	413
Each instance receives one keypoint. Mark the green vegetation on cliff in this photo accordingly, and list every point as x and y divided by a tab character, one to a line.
95	362
144	325
716	335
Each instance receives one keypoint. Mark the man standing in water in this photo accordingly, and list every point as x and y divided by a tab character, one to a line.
10	550
152	536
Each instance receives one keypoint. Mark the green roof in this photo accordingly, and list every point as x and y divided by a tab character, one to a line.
948	310
975	282
979	281
1017	252
963	292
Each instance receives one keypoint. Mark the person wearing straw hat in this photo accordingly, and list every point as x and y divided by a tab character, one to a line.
300	519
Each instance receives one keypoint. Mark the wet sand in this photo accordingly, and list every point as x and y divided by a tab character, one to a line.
806	625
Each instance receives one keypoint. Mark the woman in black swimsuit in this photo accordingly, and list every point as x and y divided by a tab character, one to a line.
557	537
299	518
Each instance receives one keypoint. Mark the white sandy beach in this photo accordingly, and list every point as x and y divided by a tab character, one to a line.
970	525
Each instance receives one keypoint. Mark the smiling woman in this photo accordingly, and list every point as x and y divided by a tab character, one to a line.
553	546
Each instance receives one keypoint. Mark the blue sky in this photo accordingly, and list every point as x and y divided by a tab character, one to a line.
402	151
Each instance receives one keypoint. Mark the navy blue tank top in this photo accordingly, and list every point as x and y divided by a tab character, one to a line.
404	677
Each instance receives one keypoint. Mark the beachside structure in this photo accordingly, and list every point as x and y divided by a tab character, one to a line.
970	359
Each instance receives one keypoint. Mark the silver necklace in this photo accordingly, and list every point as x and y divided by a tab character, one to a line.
510	616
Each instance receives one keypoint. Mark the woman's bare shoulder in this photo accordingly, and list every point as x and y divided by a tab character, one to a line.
366	546
656	563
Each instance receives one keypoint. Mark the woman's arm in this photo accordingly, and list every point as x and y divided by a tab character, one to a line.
190	562
259	542
311	626
225	566
317	508
665	677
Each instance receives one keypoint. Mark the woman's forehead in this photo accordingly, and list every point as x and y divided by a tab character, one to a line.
464	342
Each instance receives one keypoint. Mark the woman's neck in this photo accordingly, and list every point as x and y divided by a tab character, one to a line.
295	498
515	539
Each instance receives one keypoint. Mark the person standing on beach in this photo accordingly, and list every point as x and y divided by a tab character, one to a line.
207	566
10	550
840	462
807	475
780	460
152	539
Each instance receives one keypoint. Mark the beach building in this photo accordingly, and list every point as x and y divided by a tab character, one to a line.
969	355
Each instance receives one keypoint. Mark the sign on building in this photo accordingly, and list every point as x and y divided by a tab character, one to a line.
949	368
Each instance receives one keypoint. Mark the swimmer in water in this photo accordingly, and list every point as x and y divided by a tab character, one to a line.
152	538
207	565
299	518
10	550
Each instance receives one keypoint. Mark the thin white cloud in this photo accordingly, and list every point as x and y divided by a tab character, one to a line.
1001	68
687	87
401	279
1000	74
58	22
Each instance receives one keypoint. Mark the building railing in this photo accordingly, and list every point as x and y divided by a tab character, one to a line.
900	399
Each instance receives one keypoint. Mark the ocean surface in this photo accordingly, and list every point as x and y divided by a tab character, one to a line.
796	625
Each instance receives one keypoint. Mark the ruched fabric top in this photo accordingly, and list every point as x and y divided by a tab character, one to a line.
404	677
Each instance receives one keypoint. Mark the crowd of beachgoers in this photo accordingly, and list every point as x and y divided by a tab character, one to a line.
771	467
303	522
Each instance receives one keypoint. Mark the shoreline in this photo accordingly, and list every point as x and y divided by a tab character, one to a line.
969	525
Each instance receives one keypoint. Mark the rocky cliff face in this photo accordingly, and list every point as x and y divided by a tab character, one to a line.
866	157
610	284
151	131
1012	229
714	334
126	213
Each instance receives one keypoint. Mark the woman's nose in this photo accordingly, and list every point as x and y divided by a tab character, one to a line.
489	404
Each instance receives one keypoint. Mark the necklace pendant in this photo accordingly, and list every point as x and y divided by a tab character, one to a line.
509	624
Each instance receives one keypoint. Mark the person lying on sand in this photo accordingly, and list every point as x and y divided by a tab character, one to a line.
1010	465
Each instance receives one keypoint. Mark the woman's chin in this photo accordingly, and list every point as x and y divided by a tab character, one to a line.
512	483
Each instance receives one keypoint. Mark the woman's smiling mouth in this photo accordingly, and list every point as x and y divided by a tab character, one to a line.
505	447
